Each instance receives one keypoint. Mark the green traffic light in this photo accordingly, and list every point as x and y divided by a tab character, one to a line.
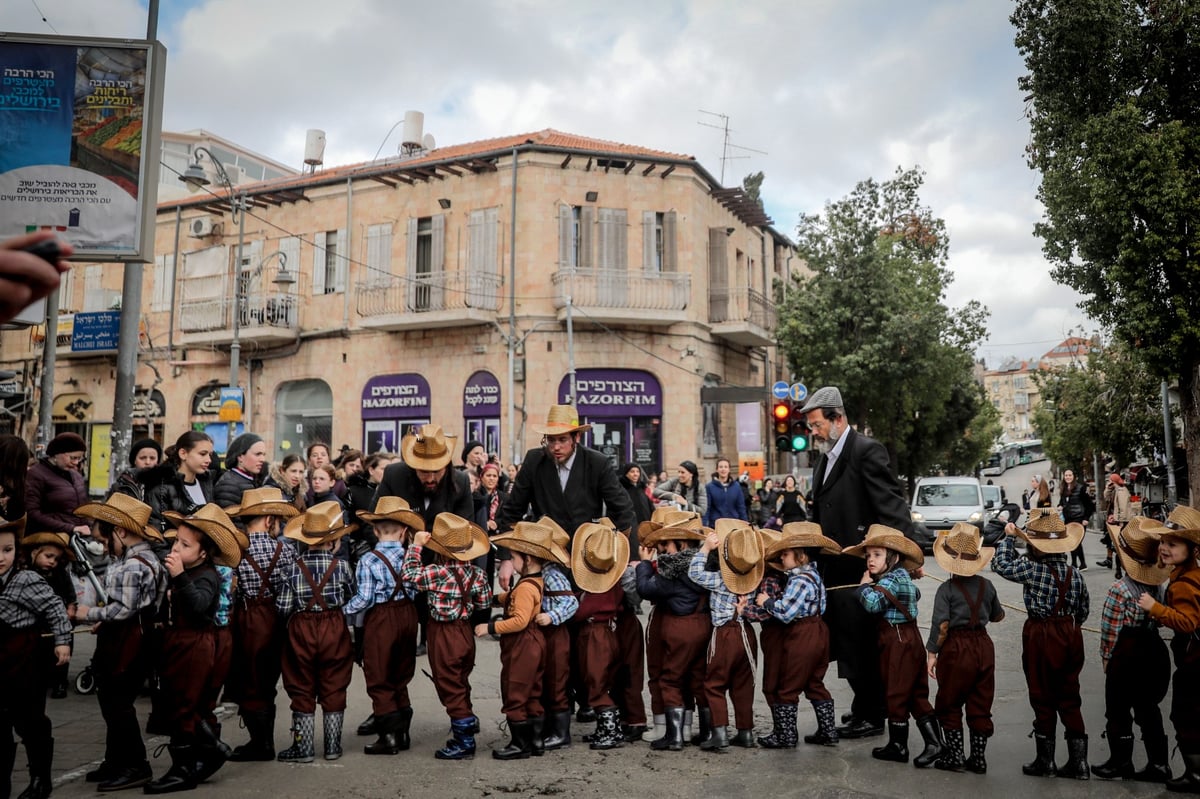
800	443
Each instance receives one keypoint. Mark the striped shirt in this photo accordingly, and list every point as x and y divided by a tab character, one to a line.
261	551
900	585
804	596
562	606
455	589
132	582
297	593
27	600
1038	578
722	603
376	583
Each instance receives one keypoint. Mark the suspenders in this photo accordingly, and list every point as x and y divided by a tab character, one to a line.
317	588
895	603
265	574
395	575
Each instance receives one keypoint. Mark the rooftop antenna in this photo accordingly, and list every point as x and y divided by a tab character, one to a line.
726	145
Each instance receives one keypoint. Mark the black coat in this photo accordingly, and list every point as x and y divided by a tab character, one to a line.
168	493
679	597
230	487
452	496
1076	503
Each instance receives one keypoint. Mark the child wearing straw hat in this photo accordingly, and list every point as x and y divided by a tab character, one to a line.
795	640
318	660
961	656
135	583
887	590
522	647
598	559
1137	668
48	555
733	648
389	627
258	630
1056	599
1178	549
190	648
27	604
456	588
559	605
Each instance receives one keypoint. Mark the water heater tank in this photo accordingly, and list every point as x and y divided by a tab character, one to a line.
314	147
414	122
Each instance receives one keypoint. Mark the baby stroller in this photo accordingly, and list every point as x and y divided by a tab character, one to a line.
88	555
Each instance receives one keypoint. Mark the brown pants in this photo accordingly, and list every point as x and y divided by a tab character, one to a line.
222	660
390	654
558	668
1052	657
451	661
654	655
905	678
257	655
23	673
966	676
598	660
522	661
1136	682
188	678
684	643
795	659
731	668
319	661
631	673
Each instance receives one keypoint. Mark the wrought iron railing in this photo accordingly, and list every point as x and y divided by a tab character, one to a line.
740	305
431	291
622	289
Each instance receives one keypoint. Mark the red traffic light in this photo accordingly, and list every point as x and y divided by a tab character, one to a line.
781	410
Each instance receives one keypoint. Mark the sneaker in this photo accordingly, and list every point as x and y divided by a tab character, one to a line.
1083	567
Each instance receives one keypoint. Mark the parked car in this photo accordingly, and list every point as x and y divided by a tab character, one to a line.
941	502
993	499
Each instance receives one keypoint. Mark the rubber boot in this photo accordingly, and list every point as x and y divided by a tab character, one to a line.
585	714
332	724
706	727
717	740
40	758
261	746
1189	780
977	762
688	720
774	739
931	734
181	776
461	746
632	732
1076	767
537	725
557	734
827	732
368	726
608	729
518	747
672	740
951	758
303	732
660	729
744	739
211	751
1157	768
404	723
387	743
896	749
1119	765
1043	764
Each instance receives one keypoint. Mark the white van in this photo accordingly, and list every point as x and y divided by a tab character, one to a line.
940	502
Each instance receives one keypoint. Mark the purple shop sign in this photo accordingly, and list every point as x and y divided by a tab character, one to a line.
481	396
403	396
614	392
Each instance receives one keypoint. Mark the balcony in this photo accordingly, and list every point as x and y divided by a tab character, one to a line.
623	296
267	314
429	300
744	316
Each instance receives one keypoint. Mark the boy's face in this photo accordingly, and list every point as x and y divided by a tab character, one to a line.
791	558
47	558
320	482
187	547
8	551
877	558
1173	551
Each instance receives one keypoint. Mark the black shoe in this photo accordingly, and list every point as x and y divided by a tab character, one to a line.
368	726
386	745
1106	563
585	715
744	739
39	788
103	773
59	691
860	728
132	777
633	732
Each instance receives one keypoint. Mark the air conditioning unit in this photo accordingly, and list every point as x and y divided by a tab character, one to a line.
203	226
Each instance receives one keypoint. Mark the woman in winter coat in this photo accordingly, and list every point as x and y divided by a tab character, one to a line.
684	489
291	478
1077	507
183	482
631	481
14	467
54	488
145	456
245	463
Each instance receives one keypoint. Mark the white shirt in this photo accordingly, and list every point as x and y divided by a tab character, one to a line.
564	471
832	457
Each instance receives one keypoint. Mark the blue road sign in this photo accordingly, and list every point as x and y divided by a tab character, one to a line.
95	331
797	392
780	390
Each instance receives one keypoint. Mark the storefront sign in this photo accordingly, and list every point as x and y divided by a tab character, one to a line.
232	400
149	406
613	392
206	401
71	409
481	396
404	396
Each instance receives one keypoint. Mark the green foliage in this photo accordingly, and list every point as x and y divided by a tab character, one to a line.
752	184
871	320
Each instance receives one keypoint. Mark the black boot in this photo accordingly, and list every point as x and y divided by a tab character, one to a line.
387	743
778	739
1156	769
181	776
931	734
1043	764
672	740
1119	765
1189	780
261	746
557	734
211	751
744	739
40	757
827	731
537	726
403	740
130	776
951	758
896	749
1076	767
518	747
717	740
608	729
368	726
705	715
977	762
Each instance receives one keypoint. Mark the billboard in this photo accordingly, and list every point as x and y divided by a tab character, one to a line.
81	120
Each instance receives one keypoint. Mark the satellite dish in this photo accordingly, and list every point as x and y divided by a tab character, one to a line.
428	142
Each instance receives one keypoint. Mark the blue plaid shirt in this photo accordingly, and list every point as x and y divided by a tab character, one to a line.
560	608
900	584
225	598
1041	590
722	602
804	596
375	582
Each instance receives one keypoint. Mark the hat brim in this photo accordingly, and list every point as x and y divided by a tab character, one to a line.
1186	533
657	533
59	540
801	541
911	556
285	509
1063	541
16	527
554	554
408	518
1144	573
594	582
294	530
119	518
959	565
559	429
480	545
227	542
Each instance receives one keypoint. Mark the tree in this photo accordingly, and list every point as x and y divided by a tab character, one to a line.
752	185
1114	105
871	319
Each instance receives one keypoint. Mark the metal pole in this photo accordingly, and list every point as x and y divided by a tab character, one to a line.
512	318
172	276
45	429
235	348
570	350
1172	491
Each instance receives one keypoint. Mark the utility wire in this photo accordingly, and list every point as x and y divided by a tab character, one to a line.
43	16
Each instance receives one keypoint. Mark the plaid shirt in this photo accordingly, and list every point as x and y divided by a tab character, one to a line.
1121	610
722	602
26	599
262	549
1041	590
803	597
375	581
225	597
446	584
900	584
772	585
560	608
297	594
133	582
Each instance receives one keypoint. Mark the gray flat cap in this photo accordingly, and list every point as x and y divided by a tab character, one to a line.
824	397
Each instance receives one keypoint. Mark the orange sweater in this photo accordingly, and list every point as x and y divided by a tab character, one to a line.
1182	611
521	605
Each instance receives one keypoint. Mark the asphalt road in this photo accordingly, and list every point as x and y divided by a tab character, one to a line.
844	771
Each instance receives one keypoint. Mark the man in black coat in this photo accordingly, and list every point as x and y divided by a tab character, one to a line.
853	488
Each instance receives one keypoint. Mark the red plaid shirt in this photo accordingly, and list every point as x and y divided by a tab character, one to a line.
455	590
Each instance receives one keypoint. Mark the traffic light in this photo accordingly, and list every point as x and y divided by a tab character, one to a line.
799	431
781	414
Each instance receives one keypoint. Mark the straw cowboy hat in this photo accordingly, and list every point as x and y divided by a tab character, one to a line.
537	539
796	535
429	449
16	527
740	553
1183	522
599	556
1137	547
561	538
561	419
214	523
320	524
668	524
125	512
960	550
60	540
395	509
880	535
266	501
457	539
1046	532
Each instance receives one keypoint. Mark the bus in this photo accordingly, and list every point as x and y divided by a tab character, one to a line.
1007	456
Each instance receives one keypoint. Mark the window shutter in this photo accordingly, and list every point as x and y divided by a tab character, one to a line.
290	247
341	269
93	297
491	241
437	258
410	265
566	237
477	242
164	281
619	230
649	259
718	275
670	253
587	222
318	264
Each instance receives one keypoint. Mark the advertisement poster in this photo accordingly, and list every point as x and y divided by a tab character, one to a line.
81	121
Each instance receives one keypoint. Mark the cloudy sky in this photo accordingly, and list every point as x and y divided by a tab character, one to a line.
832	91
